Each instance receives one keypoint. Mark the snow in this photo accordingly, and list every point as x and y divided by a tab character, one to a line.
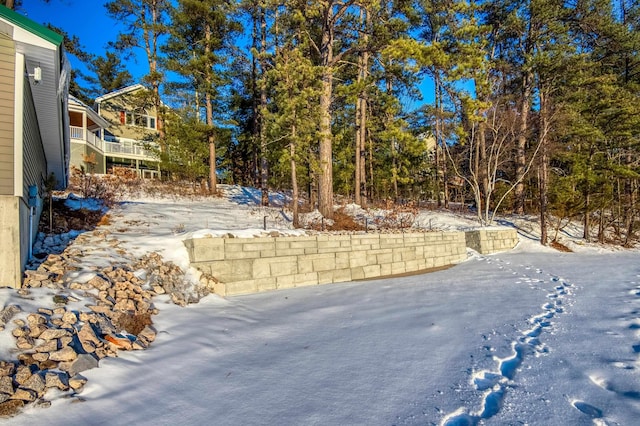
532	336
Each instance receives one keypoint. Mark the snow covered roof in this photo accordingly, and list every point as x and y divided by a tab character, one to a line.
119	92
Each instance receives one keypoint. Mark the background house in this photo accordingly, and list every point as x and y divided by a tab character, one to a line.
34	139
132	124
86	128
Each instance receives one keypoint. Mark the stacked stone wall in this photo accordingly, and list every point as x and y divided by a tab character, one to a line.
487	241
250	265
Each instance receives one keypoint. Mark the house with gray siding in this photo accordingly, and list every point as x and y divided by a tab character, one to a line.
34	133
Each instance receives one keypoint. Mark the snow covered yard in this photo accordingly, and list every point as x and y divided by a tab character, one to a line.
528	337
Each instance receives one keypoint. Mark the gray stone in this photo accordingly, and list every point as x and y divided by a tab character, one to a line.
37	330
105	326
48	346
7	368
41	356
24	395
77	381
65	341
81	363
25	342
20	331
23	372
35	319
148	334
99	282
100	309
64	355
88	338
34	383
54	333
6	385
60	299
45	311
57	380
139	345
69	318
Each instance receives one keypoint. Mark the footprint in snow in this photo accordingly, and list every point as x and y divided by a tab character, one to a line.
588	409
494	384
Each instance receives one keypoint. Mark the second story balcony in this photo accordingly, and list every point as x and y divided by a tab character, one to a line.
112	146
128	148
79	134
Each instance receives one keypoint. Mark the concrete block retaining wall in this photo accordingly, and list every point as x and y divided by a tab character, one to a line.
251	265
487	241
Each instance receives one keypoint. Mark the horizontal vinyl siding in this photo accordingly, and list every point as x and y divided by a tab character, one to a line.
35	163
7	99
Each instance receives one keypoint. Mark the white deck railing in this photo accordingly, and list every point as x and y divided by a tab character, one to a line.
121	147
84	135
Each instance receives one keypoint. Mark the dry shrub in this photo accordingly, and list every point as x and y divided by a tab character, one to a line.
66	219
560	247
89	185
132	323
399	217
344	222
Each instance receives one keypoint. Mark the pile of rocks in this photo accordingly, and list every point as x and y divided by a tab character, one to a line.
56	344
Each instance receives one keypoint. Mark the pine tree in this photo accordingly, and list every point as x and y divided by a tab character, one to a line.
110	73
146	24
200	36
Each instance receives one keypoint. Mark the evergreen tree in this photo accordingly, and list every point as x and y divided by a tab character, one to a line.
200	34
146	24
110	74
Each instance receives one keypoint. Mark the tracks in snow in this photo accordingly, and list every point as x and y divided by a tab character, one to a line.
494	384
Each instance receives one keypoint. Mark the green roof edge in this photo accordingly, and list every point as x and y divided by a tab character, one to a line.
31	26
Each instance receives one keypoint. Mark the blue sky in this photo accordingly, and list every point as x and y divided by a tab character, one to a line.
86	19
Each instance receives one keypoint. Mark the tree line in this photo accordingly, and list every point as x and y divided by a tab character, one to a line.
535	102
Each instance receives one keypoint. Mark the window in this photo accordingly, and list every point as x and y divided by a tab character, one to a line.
140	120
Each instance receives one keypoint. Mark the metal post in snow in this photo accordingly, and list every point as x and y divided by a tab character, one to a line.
265	223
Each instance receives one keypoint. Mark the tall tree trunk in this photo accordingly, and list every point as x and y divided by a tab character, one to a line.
587	199
601	226
438	137
481	169
371	188
521	143
325	191
393	145
358	158
294	177
361	116
313	181
150	38
586	222
630	212
543	179
213	183
264	173
254	102
441	178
